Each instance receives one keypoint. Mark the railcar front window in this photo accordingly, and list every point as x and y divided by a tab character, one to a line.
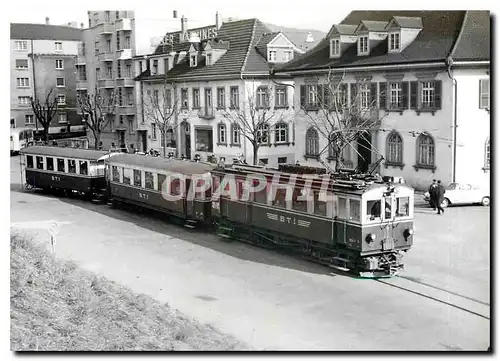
60	165
50	163
161	181
319	205
71	166
126	175
342	208
148	180
279	198
373	208
29	161
388	209
354	210
116	174
84	167
402	206
137	177
100	167
39	162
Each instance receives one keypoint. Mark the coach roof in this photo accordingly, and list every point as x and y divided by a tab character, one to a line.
186	167
78	153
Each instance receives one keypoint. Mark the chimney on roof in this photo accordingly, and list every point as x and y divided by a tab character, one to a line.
184	28
310	38
47	22
218	21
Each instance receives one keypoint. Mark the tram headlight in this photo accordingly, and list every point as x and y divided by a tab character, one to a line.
408	232
371	237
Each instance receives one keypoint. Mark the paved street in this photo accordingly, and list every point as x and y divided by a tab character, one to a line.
272	301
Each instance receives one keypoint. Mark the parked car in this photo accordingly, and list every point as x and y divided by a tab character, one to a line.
463	193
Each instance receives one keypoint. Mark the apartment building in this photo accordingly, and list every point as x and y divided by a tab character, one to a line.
427	76
43	60
104	65
213	75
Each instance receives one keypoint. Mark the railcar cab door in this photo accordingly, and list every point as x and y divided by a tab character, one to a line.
198	197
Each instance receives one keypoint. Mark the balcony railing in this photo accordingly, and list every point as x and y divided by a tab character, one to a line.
106	56
127	82
123	25
80	60
128	109
206	112
106	29
106	83
125	54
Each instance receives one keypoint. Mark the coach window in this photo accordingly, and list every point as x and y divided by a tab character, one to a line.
116	174
387	208
71	166
342	213
373	209
175	187
39	162
84	167
126	175
299	199
261	196
149	180
402	207
60	165
161	180
137	177
319	204
279	197
29	161
50	163
354	210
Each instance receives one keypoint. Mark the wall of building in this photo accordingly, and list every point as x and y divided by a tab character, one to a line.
473	128
17	111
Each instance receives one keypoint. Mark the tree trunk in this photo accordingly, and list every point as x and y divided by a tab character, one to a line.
46	134
164	143
338	162
255	153
97	138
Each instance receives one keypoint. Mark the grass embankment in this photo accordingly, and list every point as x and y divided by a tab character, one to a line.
55	306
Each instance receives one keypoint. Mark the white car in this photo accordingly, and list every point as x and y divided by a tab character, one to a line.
463	193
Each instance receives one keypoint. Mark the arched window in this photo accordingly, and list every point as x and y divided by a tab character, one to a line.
394	148
222	133
332	145
487	154
425	150
281	133
312	142
235	134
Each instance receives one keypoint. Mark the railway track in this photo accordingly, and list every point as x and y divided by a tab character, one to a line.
438	294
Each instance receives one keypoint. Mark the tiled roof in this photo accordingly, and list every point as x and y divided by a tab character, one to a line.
434	42
44	32
474	40
374	25
409	22
343	29
255	62
263	41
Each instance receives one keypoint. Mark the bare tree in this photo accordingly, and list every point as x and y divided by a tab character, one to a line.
338	118
254	116
98	111
161	108
45	112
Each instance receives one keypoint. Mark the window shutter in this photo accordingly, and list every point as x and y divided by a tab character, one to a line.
320	97
327	95
404	98
437	94
343	89
354	88
303	95
413	94
383	96
373	95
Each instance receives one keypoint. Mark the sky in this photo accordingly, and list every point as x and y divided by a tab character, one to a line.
154	18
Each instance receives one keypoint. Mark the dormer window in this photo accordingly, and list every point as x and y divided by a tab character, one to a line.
363	45
193	61
334	47
209	59
394	42
272	55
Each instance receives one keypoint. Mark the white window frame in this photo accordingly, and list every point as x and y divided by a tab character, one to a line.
363	45
58	46
281	95
29	119
281	133
394	148
63	82
364	96
63	97
234	97
427	94
62	118
334	47
394	42
23	82
209	59
426	151
312	91
222	133
262	97
288	55
395	95
23	100
262	130
21	45
272	55
235	134
484	94
61	63
22	67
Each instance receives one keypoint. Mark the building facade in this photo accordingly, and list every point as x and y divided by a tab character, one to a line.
43	61
215	82
425	76
104	65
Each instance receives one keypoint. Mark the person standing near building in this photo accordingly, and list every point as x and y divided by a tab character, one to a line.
433	194
440	197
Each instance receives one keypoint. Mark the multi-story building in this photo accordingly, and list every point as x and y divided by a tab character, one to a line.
104	65
43	59
214	75
426	77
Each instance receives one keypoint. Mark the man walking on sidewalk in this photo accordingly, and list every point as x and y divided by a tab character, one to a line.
433	194
440	197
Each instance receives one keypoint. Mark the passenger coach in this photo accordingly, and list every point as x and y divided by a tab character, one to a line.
65	169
